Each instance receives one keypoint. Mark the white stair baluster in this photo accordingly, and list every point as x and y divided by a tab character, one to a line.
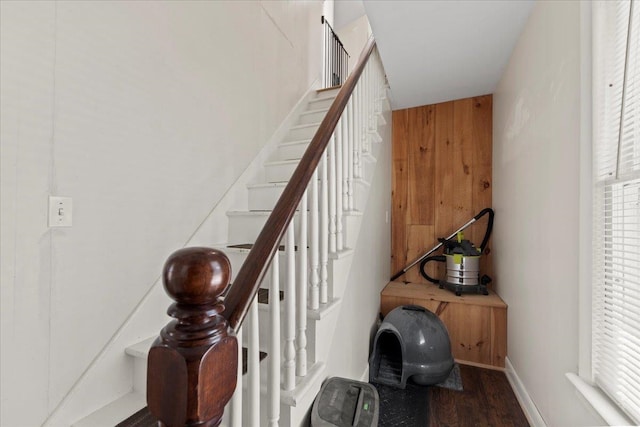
356	134
314	245
236	400
253	365
301	292
331	159
361	125
363	122
273	377
324	230
370	72
374	84
350	157
345	161
289	364
372	96
339	184
365	111
373	124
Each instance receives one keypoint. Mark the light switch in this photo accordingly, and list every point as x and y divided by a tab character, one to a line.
60	211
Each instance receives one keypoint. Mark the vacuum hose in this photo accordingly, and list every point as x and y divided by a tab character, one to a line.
487	233
439	258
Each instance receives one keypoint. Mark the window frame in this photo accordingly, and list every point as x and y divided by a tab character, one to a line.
584	381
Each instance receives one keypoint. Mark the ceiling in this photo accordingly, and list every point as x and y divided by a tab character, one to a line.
439	50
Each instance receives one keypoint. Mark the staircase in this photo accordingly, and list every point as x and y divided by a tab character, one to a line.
294	325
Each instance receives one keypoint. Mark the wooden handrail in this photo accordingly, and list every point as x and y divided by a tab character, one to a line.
247	282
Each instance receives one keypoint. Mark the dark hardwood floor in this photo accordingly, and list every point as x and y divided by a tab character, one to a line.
487	400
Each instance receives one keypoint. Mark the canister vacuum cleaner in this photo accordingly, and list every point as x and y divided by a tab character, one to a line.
462	260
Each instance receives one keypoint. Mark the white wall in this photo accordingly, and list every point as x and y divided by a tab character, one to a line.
354	36
347	11
144	113
536	198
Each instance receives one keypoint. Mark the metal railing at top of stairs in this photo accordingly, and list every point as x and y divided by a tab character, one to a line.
194	366
336	58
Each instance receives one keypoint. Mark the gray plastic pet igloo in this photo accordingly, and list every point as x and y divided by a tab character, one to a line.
411	343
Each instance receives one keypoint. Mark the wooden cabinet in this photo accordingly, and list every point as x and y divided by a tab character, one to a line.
477	324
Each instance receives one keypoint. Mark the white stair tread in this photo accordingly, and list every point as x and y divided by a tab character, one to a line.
345	252
322	96
317	314
268	184
225	247
315	111
306	125
299	141
140	349
282	162
266	213
303	385
115	412
329	92
249	213
324	309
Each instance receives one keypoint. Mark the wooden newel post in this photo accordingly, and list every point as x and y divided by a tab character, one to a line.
192	365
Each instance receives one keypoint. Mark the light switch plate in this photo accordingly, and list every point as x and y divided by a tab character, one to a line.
60	211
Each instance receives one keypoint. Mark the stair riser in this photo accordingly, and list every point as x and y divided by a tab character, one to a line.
279	172
312	117
264	198
291	151
320	103
303	132
237	259
245	228
332	93
140	374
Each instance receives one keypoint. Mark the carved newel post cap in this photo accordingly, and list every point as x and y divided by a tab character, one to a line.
196	276
192	366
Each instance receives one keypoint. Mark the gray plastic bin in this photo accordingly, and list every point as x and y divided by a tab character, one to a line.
345	403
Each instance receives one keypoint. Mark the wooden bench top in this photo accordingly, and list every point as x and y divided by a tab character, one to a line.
433	292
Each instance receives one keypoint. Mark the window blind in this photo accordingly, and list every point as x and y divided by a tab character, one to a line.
616	213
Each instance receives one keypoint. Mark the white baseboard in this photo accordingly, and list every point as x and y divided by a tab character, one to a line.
528	407
365	375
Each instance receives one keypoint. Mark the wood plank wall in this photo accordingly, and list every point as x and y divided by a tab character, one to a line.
441	178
